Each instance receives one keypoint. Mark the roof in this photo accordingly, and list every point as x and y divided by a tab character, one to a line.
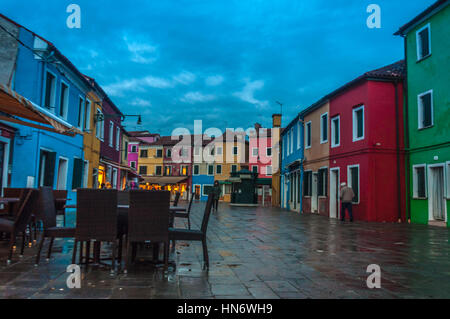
166	141
392	72
142	134
435	7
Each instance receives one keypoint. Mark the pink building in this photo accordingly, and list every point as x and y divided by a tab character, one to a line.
137	138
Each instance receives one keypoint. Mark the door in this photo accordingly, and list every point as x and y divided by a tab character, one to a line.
314	196
334	193
437	193
197	189
2	163
61	182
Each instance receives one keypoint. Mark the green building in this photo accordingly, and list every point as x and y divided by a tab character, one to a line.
427	114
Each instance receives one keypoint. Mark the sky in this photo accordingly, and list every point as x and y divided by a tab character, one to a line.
223	62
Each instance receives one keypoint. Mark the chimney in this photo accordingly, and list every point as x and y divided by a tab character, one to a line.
276	120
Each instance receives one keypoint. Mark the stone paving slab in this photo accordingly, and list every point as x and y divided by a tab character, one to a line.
263	253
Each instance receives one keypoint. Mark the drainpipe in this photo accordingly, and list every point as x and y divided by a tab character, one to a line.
397	133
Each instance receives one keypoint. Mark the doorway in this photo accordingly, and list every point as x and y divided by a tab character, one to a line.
314	193
334	193
61	182
436	202
197	190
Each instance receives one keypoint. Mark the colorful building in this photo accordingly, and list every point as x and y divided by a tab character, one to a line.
203	168
291	165
427	115
276	160
366	144
316	158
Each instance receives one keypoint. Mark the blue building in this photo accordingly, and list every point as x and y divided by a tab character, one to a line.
291	165
202	179
41	74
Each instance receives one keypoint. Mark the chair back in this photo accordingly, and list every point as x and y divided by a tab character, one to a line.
97	217
123	198
60	194
27	207
207	213
148	216
14	193
177	198
190	203
47	208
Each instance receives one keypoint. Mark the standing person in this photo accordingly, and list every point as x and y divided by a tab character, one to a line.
347	195
217	192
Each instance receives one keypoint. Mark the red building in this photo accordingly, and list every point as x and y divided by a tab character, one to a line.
260	161
367	144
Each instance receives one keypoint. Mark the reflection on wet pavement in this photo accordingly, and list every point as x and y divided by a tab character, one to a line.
256	253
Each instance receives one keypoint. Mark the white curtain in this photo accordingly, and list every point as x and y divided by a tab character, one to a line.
437	189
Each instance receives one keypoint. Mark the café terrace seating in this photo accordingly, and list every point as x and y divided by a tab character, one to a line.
102	215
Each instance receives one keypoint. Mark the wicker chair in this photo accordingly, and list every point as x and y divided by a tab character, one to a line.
97	219
12	208
148	219
186	213
61	203
177	198
28	203
196	235
47	215
123	198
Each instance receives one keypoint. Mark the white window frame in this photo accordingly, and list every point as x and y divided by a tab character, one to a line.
415	185
81	115
114	177
298	136
349	181
271	171
355	122
85	173
257	169
322	140
87	117
420	110
132	148
338	118
109	174
52	107
419	45
111	134
292	140
65	177
219	150
207	170
193	170
100	126
306	135
133	166
197	151
65	102
253	152
221	169
203	189
117	138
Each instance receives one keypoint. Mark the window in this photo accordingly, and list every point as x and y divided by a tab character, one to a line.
99	125
353	181
419	184
254	151
324	128
158	170
288	140
322	182
255	169
207	189
307	183
133	164
184	170
335	131
168	170
218	169
423	42
133	148
108	173
196	170
64	100
78	170
85	174
425	106
50	88
219	150
298	135
197	151
169	153
143	170
143	154
269	170
308	135
292	141
159	153
111	133
210	169
47	168
233	168
235	150
80	111
125	151
358	123
269	151
87	115
117	138
114	178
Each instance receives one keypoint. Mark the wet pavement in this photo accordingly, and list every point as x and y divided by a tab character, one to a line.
256	253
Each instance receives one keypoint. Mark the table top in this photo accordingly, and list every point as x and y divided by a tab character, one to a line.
6	200
172	208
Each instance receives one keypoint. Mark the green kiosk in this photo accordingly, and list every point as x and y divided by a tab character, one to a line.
243	188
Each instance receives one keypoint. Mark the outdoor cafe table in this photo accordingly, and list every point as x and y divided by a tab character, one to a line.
7	200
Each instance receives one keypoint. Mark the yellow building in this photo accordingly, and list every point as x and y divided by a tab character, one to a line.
93	131
230	154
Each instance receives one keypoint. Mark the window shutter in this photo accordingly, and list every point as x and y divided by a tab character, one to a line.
49	169
426	105
425	42
355	186
77	173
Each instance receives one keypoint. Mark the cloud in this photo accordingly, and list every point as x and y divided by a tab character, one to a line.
140	102
185	78
141	50
195	97
137	85
214	80
248	92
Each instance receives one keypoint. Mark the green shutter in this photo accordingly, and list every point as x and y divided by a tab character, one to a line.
77	173
49	172
426	106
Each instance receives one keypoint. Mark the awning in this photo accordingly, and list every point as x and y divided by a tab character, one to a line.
224	182
264	181
164	180
15	105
